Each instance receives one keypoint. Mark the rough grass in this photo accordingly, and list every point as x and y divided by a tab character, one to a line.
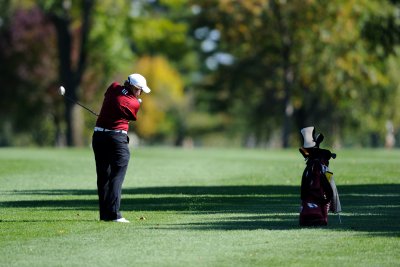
202	207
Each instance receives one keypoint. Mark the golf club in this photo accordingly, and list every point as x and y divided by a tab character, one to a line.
61	90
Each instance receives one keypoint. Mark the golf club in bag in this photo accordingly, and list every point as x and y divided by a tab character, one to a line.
61	90
319	194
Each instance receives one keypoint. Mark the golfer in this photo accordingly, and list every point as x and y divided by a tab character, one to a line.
110	142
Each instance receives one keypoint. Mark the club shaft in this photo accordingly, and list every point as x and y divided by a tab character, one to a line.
76	102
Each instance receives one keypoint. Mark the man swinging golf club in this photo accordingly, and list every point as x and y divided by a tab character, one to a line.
110	142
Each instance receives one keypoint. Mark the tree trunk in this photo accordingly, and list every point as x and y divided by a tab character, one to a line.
287	120
288	75
71	77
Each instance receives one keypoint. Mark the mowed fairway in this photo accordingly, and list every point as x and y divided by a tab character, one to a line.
201	207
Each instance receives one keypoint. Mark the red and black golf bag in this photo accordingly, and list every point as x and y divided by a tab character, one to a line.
318	190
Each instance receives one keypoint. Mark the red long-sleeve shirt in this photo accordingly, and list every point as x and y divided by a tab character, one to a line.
119	107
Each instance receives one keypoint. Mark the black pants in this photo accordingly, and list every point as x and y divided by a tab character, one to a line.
112	157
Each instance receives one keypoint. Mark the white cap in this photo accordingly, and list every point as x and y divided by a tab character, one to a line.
308	137
139	81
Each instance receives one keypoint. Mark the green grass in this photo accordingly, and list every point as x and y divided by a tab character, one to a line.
202	207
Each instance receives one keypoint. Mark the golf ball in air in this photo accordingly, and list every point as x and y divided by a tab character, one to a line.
62	90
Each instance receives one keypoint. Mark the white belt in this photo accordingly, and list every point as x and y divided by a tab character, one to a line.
99	129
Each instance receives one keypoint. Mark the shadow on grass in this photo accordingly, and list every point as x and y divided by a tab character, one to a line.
372	208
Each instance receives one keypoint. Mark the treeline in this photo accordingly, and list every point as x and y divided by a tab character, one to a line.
237	73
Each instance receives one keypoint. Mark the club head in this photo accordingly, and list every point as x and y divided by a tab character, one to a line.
61	90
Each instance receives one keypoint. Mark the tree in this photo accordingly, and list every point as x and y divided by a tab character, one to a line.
159	37
295	64
70	72
160	113
95	41
356	85
27	48
259	35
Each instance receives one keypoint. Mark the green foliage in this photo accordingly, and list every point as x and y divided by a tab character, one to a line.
109	41
357	81
159	35
305	58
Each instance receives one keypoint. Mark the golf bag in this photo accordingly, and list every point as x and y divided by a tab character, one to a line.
318	190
